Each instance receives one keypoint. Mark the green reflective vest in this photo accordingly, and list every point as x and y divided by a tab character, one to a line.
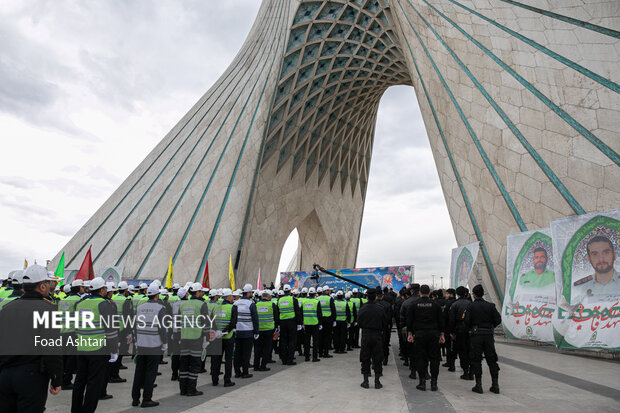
223	315
286	307
364	300
265	315
90	339
357	302
119	300
7	300
136	299
326	309
173	298
5	292
341	310
351	307
67	305
310	308
191	326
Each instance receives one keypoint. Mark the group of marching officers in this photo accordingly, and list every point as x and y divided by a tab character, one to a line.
311	321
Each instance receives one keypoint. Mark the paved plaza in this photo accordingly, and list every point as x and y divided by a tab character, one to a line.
532	379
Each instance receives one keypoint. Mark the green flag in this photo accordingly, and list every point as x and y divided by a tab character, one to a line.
60	270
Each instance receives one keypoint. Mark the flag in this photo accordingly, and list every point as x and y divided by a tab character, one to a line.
205	277
86	271
231	274
60	269
169	276
25	263
259	285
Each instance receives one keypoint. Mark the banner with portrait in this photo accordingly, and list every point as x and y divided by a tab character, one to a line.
530	299
587	281
462	264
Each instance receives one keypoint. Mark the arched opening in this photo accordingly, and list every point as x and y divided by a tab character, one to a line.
291	257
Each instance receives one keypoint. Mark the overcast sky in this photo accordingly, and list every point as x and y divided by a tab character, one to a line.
88	88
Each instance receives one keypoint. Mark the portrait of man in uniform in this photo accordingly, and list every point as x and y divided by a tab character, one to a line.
604	280
539	276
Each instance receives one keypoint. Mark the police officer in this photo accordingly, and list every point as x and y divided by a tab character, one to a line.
175	335
328	320
93	355
16	290
357	300
151	341
124	308
387	307
67	306
459	330
351	321
25	380
301	333
481	320
372	320
450	347
425	329
268	322
409	347
290	321
342	316
246	331
312	315
225	320
194	312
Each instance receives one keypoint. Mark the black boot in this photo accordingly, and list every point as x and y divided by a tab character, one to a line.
413	375
422	384
365	382
478	387
494	385
378	384
433	383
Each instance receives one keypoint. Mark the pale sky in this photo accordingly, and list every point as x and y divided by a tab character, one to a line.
88	88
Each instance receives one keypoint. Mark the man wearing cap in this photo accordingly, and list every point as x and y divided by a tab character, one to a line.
268	323
175	334
312	314
246	332
459	331
25	379
67	306
109	366
151	342
195	316
481	320
5	289
357	300
372	320
225	320
328	321
342	316
351	321
16	290
387	333
301	333
291	319
124	309
97	346
140	295
425	329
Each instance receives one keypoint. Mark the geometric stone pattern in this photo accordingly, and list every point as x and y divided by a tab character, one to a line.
521	102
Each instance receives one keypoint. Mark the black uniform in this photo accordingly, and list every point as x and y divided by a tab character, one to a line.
325	335
409	347
387	307
481	320
372	319
450	347
456	325
425	320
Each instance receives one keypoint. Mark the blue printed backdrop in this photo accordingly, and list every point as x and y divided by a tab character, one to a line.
395	277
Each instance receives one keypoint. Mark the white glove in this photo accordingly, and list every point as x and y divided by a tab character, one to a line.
164	347
277	329
255	336
334	324
218	334
320	327
205	345
129	338
113	357
299	327
348	325
355	324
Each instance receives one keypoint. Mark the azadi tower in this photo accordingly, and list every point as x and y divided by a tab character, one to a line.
520	100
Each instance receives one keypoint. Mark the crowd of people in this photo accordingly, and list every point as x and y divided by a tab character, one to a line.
287	322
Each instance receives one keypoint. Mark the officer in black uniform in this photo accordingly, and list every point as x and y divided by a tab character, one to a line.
425	328
481	320
372	320
387	307
450	350
459	331
404	310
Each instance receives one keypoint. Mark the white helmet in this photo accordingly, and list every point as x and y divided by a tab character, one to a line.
326	287
110	286
280	293
176	286
34	274
67	288
156	282
143	286
347	295
236	293
212	293
247	288
17	276
97	283
311	290
295	291
286	287
339	293
304	290
226	292
319	289
195	287
131	288
152	289
123	285
182	292
355	290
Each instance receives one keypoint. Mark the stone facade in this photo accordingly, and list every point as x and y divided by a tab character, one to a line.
520	100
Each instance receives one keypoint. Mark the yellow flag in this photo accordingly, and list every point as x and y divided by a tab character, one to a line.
231	274
169	276
25	263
